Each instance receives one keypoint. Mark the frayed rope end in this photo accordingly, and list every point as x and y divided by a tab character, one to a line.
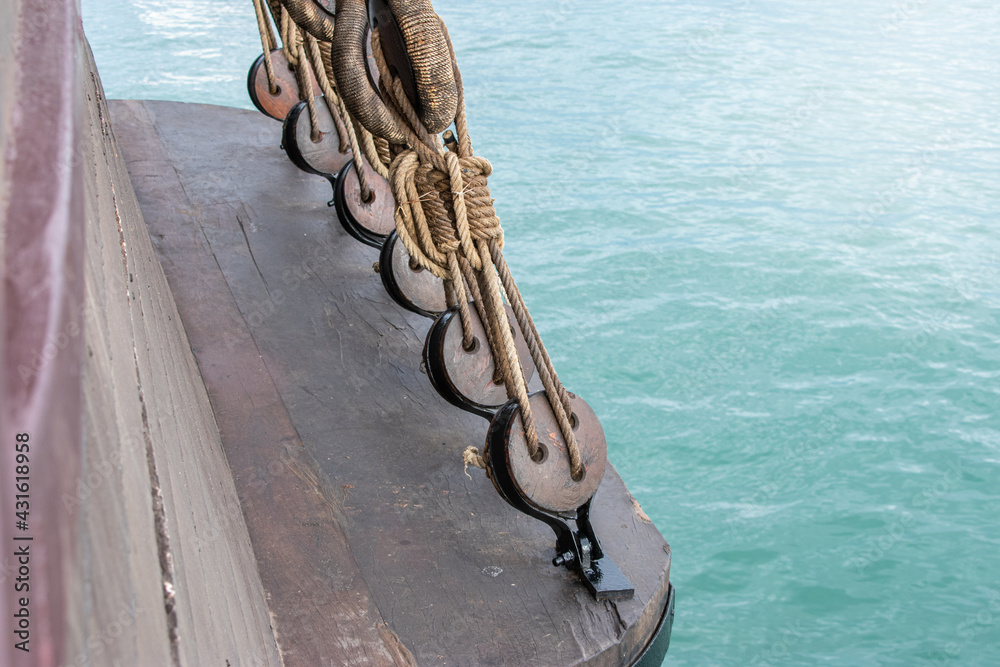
472	457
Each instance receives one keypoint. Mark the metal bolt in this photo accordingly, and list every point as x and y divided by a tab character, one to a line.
566	557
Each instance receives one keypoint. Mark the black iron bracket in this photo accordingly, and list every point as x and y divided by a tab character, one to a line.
577	549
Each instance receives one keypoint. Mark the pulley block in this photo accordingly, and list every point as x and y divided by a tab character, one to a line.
320	156
368	221
466	377
410	285
281	102
544	488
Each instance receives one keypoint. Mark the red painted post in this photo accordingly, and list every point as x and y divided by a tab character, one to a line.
42	218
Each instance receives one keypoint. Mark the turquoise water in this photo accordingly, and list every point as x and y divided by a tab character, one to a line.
761	238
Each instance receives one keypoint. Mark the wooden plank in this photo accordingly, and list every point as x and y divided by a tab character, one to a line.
338	444
180	501
125	457
318	598
119	612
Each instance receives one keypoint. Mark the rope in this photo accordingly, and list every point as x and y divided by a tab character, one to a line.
351	68
378	159
432	69
472	457
311	18
347	128
285	27
330	96
383	150
267	43
445	216
446	220
303	78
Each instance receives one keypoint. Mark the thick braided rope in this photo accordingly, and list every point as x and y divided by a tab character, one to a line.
351	67
439	218
311	18
432	70
446	220
315	52
304	78
267	43
363	136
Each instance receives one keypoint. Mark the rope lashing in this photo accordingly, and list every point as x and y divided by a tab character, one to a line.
446	219
445	215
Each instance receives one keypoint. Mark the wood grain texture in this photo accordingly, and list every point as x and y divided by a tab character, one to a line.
119	579
346	461
278	105
165	571
317	596
548	484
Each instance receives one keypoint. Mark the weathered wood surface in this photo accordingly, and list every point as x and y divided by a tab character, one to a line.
139	554
373	546
156	507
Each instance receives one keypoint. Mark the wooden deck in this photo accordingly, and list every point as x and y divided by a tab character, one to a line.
372	545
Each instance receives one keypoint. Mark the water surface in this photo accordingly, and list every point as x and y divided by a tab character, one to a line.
761	239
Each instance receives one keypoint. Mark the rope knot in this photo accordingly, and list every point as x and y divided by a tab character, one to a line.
444	212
